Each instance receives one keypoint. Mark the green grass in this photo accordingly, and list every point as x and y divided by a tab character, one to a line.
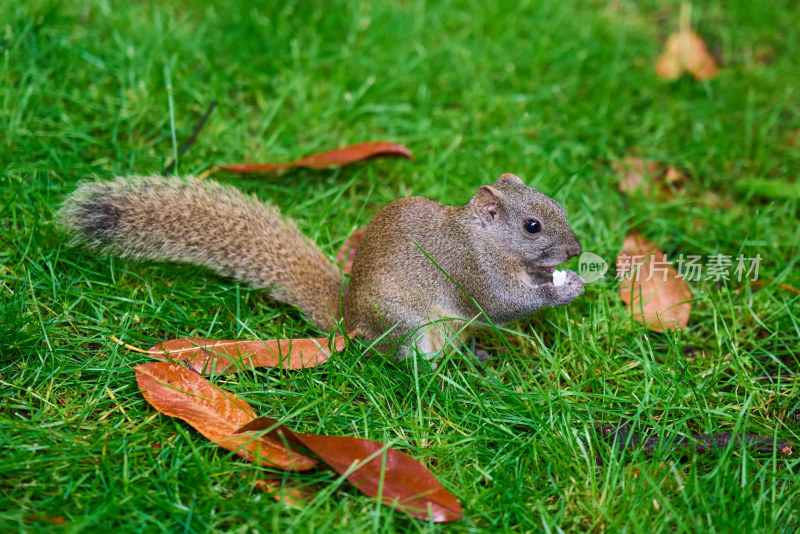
553	91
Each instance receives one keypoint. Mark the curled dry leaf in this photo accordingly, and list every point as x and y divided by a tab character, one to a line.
396	478
637	174
674	176
180	392
288	493
219	356
347	253
337	157
656	297
685	51
647	176
655	178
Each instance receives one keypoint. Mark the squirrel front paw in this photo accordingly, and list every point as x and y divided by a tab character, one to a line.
569	288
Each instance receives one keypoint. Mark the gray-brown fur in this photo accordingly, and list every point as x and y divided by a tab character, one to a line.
205	223
395	290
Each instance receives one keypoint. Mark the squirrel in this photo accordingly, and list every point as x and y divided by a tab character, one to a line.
423	272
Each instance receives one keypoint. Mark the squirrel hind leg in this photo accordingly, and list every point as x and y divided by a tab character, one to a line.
430	338
400	341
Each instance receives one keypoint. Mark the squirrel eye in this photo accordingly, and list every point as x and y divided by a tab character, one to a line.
532	226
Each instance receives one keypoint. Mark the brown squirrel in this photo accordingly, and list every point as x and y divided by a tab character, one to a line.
422	272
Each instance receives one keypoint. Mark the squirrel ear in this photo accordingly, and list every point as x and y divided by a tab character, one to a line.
485	203
508	178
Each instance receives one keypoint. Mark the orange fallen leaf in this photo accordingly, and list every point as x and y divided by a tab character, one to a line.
396	478
347	253
653	177
56	520
637	174
674	176
656	297
287	493
337	157
180	392
219	356
685	51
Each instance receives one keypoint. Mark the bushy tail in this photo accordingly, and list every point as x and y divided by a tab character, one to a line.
205	223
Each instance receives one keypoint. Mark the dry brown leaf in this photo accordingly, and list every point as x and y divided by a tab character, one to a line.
675	177
219	356
180	392
685	51
399	480
347	253
648	177
56	520
288	493
654	178
337	157
656	297
637	174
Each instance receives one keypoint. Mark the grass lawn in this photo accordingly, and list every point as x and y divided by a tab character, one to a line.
555	91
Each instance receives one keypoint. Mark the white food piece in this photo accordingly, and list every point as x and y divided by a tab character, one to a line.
559	277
